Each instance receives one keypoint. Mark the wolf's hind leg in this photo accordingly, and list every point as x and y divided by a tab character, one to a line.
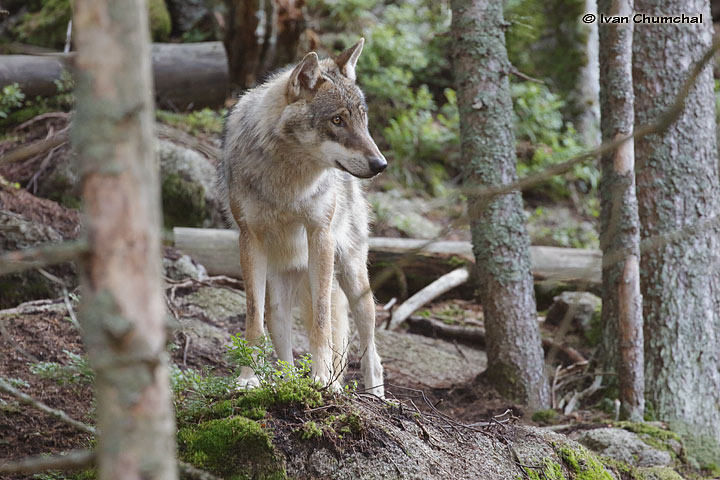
340	310
253	261
281	291
356	285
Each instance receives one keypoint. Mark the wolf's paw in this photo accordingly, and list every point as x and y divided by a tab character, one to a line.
247	379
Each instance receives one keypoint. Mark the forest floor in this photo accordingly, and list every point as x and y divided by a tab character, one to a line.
41	348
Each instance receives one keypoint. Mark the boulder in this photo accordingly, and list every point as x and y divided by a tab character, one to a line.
583	306
624	446
188	187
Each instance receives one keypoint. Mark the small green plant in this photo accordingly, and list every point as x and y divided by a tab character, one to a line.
11	98
205	121
77	370
310	431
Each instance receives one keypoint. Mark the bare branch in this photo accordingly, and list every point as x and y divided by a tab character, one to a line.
42	256
74	460
6	387
443	284
36	148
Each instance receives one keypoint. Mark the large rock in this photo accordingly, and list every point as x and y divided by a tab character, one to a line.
624	446
188	187
404	214
583	306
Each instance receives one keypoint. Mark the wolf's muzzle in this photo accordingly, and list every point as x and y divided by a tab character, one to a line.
377	164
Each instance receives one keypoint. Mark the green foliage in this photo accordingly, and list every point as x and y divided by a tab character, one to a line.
543	40
205	121
11	98
16	108
310	431
539	121
46	26
77	370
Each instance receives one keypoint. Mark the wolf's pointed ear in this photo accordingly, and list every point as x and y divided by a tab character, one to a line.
347	60
304	77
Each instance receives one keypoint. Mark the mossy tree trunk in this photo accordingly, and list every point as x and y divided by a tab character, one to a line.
500	239
678	187
122	311
619	224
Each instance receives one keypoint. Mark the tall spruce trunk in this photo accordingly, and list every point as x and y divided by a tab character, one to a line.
122	311
500	239
677	187
619	224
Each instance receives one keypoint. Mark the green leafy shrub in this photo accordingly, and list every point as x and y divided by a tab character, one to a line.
77	370
539	122
11	98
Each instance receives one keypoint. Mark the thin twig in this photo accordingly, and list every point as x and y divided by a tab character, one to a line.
6	387
73	460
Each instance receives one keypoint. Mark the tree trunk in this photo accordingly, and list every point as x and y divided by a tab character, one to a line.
587	90
122	312
500	240
241	41
619	229
261	36
678	186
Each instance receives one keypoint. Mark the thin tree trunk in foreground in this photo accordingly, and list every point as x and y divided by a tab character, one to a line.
678	186
500	240
122	312
619	232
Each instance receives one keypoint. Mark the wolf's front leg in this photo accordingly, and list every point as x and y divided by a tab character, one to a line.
321	259
253	261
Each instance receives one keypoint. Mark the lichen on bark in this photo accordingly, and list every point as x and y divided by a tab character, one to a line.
500	239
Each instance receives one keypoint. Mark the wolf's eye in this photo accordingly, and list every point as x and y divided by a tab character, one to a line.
337	120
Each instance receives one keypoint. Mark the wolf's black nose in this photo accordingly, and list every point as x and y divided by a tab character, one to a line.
377	164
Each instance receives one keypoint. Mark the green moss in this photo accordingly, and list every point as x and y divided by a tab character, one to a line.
653	436
656	473
159	18
546	417
583	464
234	447
47	26
310	430
183	202
205	121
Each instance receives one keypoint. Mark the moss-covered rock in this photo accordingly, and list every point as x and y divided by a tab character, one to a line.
235	448
159	18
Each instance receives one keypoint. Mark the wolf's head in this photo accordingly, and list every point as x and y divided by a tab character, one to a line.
327	114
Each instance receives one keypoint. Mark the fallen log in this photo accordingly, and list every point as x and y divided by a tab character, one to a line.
218	251
475	336
185	75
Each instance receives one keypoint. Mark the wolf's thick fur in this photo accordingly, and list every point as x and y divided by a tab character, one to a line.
293	149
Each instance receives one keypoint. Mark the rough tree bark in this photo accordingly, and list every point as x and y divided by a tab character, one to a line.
500	239
619	228
122	311
261	35
678	186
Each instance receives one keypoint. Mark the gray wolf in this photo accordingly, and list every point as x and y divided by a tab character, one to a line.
294	150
